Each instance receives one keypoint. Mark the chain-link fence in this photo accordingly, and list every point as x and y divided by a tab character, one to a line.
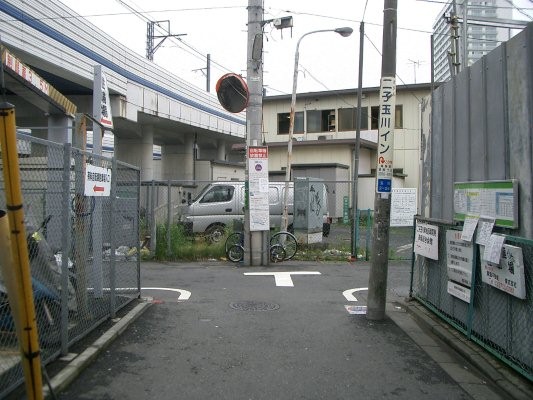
82	219
491	304
191	219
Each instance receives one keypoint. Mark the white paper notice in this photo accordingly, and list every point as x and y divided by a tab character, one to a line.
427	240
484	230
493	249
469	227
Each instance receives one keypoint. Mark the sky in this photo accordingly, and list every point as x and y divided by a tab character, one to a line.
327	60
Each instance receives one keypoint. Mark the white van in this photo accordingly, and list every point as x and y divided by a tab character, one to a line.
221	203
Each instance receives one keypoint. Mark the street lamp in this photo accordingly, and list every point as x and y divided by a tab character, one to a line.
344	32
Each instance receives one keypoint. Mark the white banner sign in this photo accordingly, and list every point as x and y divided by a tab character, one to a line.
258	188
385	150
403	206
427	240
509	274
97	181
459	257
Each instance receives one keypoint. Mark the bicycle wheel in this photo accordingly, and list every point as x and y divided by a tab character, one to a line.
235	253
234	238
288	241
277	253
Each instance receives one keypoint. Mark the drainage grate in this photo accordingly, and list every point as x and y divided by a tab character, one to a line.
254	306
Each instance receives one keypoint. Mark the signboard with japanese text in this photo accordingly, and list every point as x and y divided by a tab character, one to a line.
385	150
459	258
258	188
427	240
97	181
25	72
496	199
105	115
459	291
403	206
509	274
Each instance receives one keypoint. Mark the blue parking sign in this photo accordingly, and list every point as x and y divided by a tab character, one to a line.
384	185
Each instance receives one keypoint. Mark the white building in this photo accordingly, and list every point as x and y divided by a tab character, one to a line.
325	132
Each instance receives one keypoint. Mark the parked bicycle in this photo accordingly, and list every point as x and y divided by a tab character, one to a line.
283	246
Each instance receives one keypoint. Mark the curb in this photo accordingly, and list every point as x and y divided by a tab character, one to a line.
502	376
61	380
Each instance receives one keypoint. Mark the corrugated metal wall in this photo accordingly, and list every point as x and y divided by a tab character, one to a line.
479	127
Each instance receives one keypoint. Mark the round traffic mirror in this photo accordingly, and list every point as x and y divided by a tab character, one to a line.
232	92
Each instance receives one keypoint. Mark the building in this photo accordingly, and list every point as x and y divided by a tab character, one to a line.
480	38
324	139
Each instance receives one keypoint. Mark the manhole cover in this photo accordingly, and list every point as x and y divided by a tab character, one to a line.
253	306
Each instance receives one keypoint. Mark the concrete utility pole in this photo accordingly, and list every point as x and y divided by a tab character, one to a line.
254	240
377	282
355	186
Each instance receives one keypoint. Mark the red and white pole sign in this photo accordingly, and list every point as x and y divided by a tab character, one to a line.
97	181
258	188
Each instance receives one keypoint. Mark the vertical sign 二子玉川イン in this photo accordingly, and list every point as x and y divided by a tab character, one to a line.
387	109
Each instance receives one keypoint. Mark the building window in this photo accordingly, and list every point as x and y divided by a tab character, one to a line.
398	117
348	119
284	122
321	121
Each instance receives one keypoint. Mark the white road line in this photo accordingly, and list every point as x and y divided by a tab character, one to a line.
282	278
184	294
348	294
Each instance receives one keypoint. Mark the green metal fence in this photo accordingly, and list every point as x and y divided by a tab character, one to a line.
492	317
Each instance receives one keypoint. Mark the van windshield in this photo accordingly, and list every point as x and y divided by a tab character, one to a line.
217	194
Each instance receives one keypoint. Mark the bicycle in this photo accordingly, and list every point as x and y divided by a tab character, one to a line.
234	247
288	241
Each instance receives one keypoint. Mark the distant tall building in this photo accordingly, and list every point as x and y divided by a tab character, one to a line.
479	40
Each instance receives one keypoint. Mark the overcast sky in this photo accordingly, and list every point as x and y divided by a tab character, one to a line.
327	60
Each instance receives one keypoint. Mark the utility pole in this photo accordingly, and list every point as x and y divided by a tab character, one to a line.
377	282
150	36
255	241
208	73
355	187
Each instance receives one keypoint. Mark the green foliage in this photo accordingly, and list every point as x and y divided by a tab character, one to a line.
184	247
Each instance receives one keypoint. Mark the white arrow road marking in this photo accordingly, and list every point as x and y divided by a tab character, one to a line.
348	294
184	294
282	278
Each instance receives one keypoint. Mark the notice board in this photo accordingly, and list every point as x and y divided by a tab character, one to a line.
497	199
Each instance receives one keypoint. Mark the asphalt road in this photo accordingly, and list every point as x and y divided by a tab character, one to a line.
242	337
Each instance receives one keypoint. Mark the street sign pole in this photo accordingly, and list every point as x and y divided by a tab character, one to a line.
377	282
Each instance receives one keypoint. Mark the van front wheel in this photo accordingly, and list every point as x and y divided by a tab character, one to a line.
215	233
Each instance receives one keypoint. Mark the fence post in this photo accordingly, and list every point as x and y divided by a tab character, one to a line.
65	247
356	236
169	217
153	227
367	244
112	240
470	316
412	259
